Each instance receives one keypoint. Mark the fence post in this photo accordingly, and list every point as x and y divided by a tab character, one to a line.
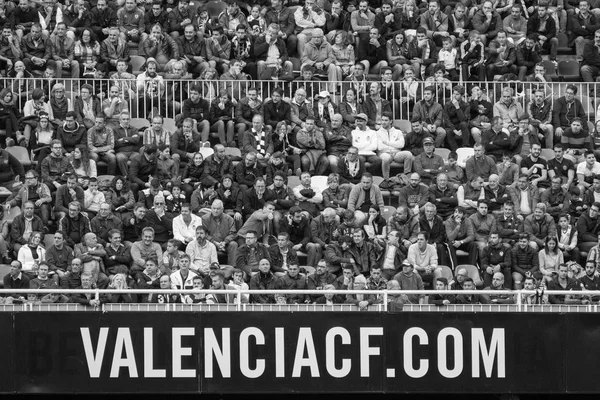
239	299
385	300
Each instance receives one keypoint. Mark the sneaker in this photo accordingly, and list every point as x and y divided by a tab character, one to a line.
206	144
10	142
6	259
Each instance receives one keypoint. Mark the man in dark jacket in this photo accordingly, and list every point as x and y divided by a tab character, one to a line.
590	65
270	64
544	26
250	253
16	279
104	223
55	167
142	167
18	232
283	254
527	56
74	224
103	18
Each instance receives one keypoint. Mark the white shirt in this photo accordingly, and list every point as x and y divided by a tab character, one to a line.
583	169
181	230
365	141
394	136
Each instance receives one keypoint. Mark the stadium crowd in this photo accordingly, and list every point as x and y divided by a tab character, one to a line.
172	217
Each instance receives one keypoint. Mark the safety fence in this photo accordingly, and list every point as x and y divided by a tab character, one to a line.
519	301
142	97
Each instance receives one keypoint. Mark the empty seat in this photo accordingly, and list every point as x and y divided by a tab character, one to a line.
139	123
169	124
442	152
403	124
473	272
137	63
569	70
547	154
464	153
21	154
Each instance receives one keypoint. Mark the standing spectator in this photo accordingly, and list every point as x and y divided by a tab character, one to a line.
318	54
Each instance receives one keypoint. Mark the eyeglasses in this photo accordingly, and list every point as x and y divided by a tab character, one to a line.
159	204
30	177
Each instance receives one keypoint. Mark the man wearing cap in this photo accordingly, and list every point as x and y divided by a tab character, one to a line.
319	54
365	140
428	164
456	119
324	110
430	113
142	168
408	280
390	142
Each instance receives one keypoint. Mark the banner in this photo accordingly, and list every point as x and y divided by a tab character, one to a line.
304	352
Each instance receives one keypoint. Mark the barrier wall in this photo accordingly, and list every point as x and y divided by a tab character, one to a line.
220	352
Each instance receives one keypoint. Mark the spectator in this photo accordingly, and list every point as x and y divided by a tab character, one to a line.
55	167
567	108
525	196
75	224
62	51
311	141
508	108
562	281
535	167
550	258
16	279
37	56
161	47
104	223
479	226
145	249
91	254
318	53
544	26
182	279
556	199
471	298
130	21
250	253
540	113
524	260
218	50
31	254
498	284
496	258
430	113
515	25
142	168
113	48
118	256
101	142
539	226
264	279
34	192
127	142
319	279
59	256
470	193
202	252
414	195
409	280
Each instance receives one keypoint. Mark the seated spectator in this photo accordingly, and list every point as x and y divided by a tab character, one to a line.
202	252
182	279
442	299
75	224
318	53
218	50
524	260
320	278
119	282
163	298
562	281
90	298
32	254
363	301
91	254
311	142
495	258
61	50
114	105
471	298
131	23
250	253
556	199
264	279
93	198
409	280
118	256
221	119
34	192
414	195
161	47
143	250
105	222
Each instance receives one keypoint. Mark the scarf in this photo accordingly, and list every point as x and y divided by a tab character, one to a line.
425	55
352	167
260	141
330	111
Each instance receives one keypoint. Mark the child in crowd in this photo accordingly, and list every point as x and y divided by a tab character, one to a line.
256	22
175	200
448	56
508	171
195	298
93	198
171	255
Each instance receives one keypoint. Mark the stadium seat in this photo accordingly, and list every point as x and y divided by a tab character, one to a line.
234	153
563	44
403	124
137	63
48	240
550	69
14	211
387	212
442	152
169	124
21	154
568	70
464	153
385	193
293	181
591	126
447	272
102	178
206	151
139	123
4	270
588	106
547	154
473	272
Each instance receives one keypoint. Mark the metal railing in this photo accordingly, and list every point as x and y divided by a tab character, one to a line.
169	96
520	304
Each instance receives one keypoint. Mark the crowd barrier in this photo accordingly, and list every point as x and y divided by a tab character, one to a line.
170	95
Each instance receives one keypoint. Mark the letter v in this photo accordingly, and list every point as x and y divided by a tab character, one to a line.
94	361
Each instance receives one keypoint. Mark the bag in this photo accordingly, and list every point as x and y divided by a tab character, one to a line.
89	72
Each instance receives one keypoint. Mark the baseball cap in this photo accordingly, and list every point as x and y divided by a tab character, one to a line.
427	140
324	94
362	116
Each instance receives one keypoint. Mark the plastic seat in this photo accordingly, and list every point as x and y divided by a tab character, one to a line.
569	70
14	211
169	124
446	272
473	272
547	154
293	181
21	154
234	153
563	43
48	240
385	193
206	151
444	153
387	212
403	124
588	106
550	69
139	123
4	270
137	63
464	153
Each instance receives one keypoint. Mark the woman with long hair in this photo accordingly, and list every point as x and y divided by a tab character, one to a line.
343	53
209	79
550	258
192	175
83	165
32	254
87	52
42	135
397	51
350	108
9	113
280	140
376	227
119	282
222	119
120	197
